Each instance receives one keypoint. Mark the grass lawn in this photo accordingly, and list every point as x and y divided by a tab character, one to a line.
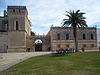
86	63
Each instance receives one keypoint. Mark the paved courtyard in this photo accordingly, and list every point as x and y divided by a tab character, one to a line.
9	59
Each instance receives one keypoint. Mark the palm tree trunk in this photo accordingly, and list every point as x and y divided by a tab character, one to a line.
75	38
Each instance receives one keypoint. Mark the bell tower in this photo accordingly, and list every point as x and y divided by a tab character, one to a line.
18	28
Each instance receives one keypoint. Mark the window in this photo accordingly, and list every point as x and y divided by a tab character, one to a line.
92	45
84	45
92	37
58	45
16	25
67	46
58	36
19	10
7	27
84	36
13	10
7	47
67	36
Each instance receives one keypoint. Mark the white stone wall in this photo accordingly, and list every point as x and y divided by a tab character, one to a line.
98	37
3	42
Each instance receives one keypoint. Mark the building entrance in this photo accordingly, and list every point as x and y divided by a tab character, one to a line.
38	45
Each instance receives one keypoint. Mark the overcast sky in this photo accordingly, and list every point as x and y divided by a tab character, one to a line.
44	13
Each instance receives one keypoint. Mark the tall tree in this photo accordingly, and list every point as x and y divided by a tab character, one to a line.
75	20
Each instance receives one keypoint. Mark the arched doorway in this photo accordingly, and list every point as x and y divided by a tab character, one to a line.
38	45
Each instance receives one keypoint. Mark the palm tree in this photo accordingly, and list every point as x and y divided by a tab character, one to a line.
75	20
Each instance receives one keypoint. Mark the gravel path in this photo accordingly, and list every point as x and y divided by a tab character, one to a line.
9	59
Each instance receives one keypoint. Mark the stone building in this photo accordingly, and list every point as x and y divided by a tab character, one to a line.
15	29
62	37
98	38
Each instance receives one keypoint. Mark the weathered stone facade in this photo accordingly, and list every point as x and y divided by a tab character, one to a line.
63	38
16	25
98	38
3	41
15	34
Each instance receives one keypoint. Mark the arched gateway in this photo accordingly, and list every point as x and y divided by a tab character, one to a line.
39	43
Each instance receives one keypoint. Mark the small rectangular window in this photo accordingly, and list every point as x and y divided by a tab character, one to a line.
13	10
84	45
16	25
58	36
67	46
19	10
58	45
67	36
92	37
84	36
92	45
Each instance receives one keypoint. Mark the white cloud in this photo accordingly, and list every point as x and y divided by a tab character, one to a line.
56	8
